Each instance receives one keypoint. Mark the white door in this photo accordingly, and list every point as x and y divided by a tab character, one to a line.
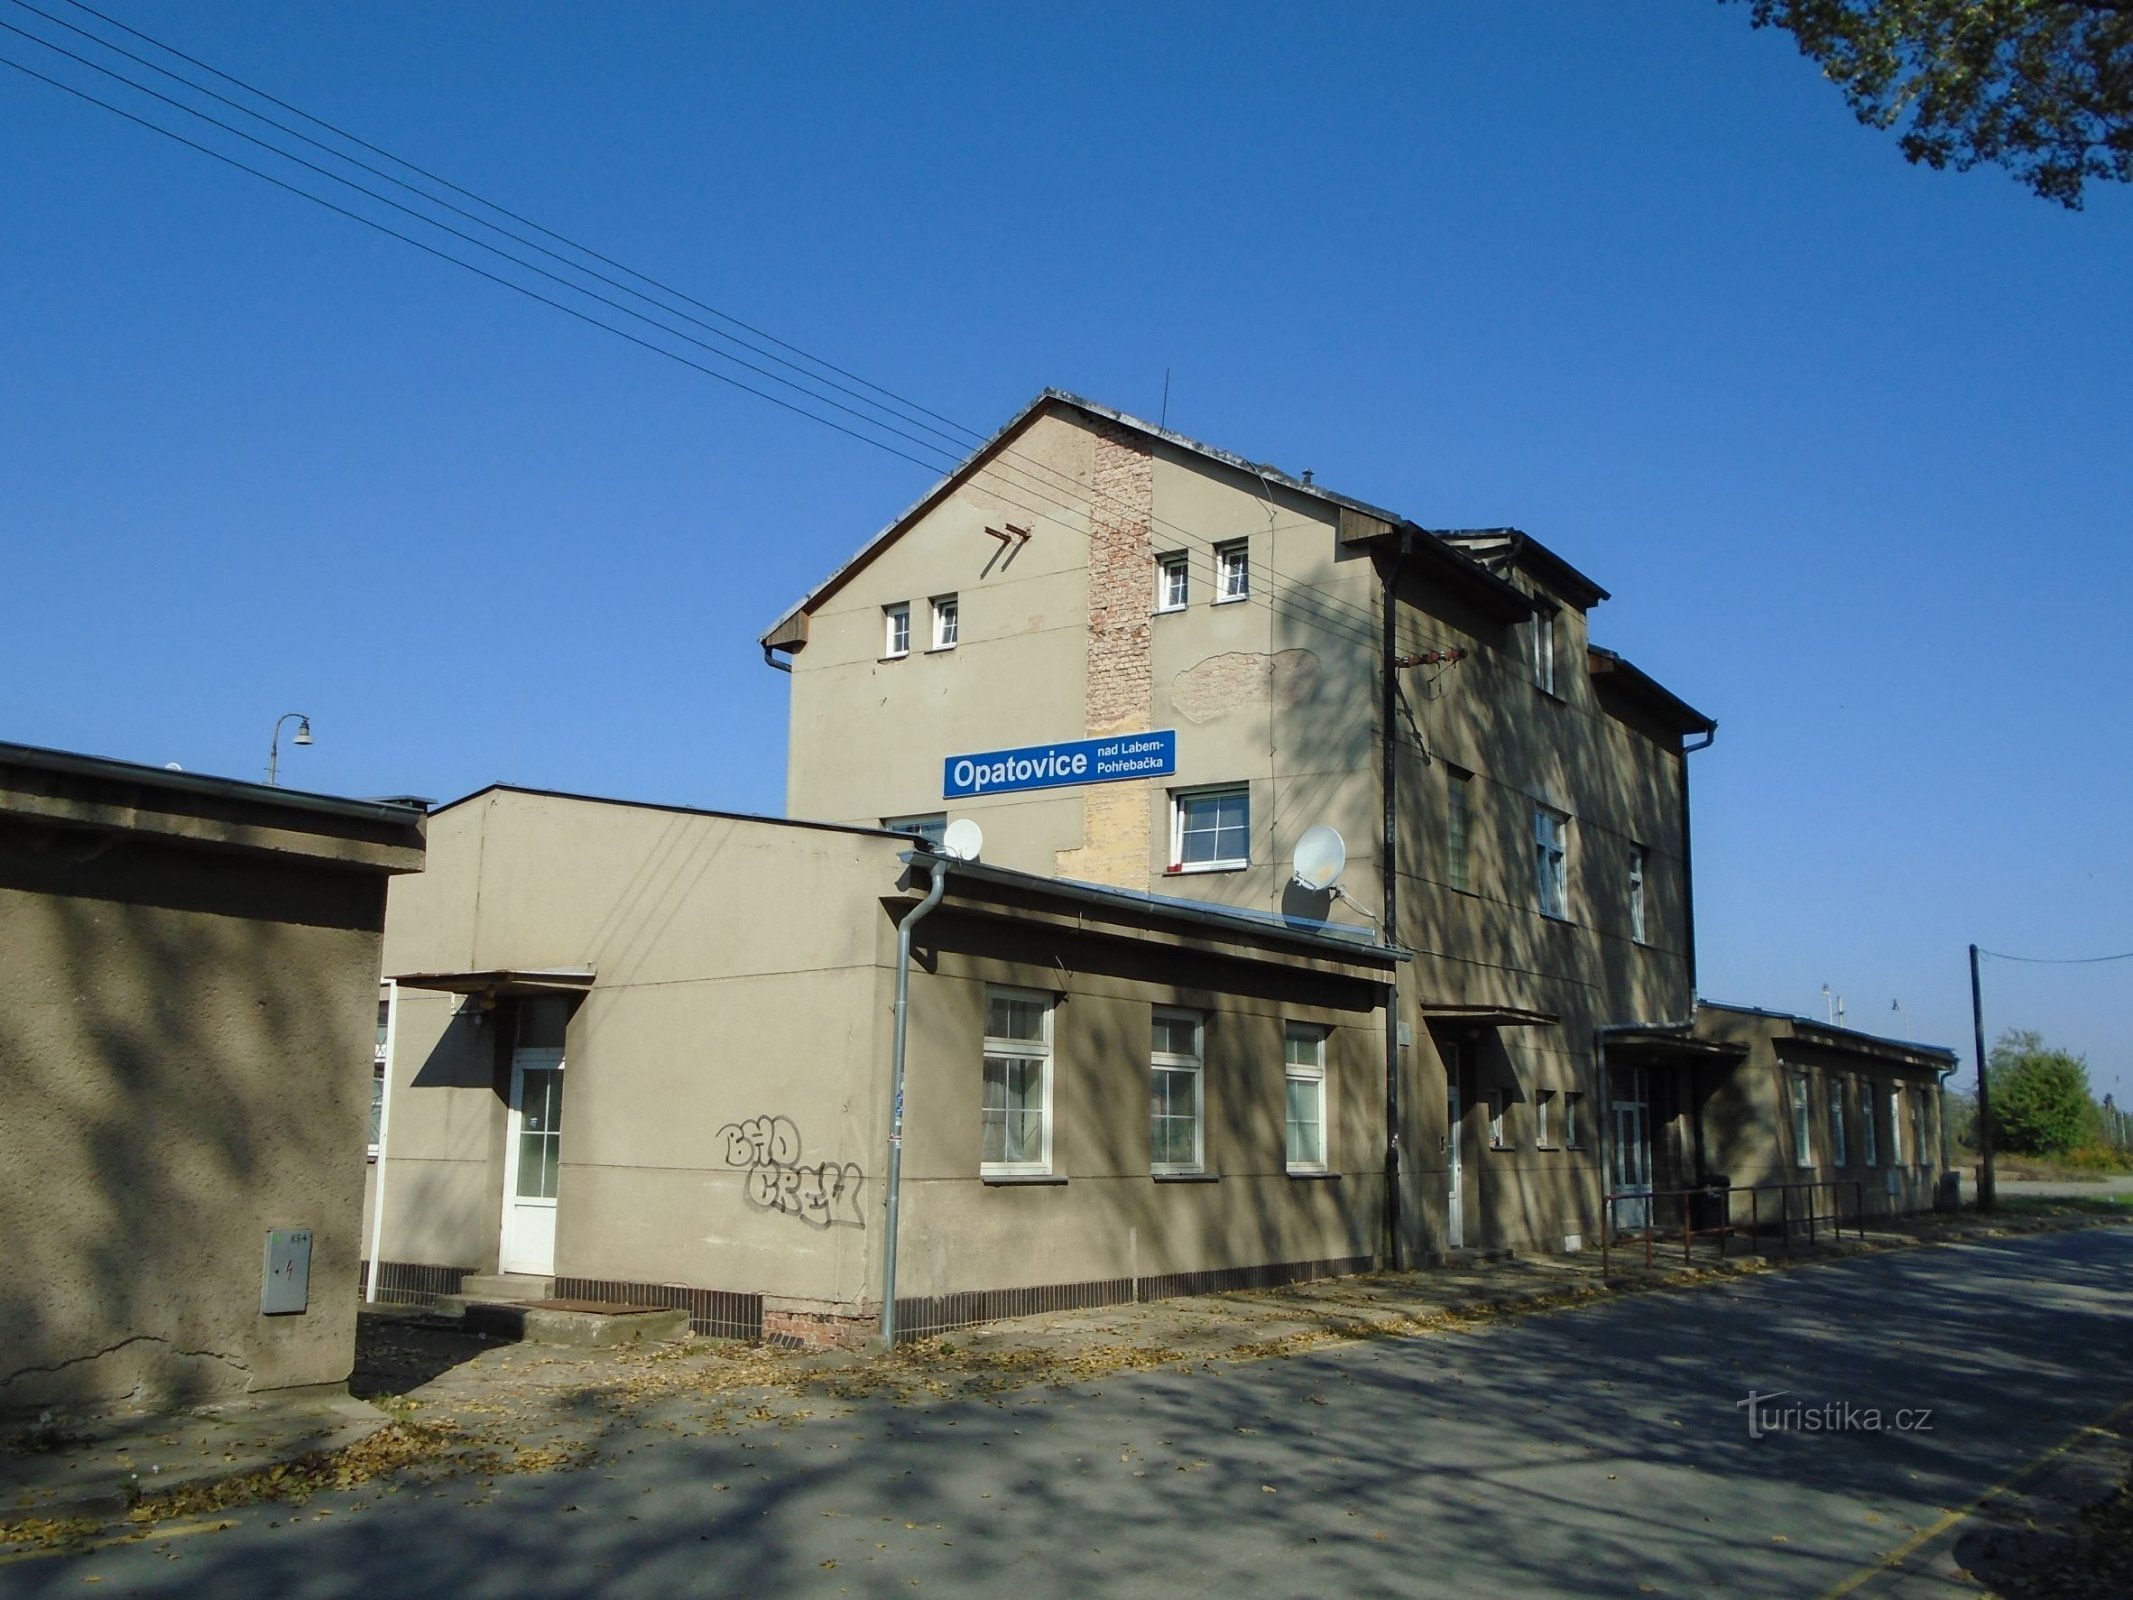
536	1138
1631	1157
1454	1154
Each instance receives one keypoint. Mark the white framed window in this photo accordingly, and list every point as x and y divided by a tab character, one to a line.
1636	892
1173	581
947	621
1210	829
1838	1156
1803	1138
1233	571
1919	1147
1892	1097
1499	1109
896	629
1456	823
931	826
1304	1083
1175	1137
1543	1118
1017	1121
1869	1134
1540	633
1551	838
377	1074
1572	1100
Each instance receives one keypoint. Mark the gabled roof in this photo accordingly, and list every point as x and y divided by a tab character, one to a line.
1614	674
1809	1031
1499	548
789	631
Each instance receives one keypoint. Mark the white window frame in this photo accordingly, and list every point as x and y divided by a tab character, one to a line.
1005	1050
1312	1072
1181	802
1233	571
1543	1103
1541	649
1638	856
1869	1117
1572	1099
931	826
1803	1130
1895	1105
1839	1152
1173	581
947	613
896	631
1919	1146
1173	1063
1551	861
1458	829
1499	1119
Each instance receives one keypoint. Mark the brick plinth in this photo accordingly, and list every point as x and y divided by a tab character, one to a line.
817	1330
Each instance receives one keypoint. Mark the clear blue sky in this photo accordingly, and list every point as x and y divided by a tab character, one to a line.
1851	442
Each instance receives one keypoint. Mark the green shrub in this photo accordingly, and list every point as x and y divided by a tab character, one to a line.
2040	1097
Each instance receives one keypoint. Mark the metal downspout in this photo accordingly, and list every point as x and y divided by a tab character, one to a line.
896	1093
1387	716
1688	856
385	1125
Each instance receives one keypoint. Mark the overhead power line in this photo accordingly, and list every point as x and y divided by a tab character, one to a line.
2056	961
1031	494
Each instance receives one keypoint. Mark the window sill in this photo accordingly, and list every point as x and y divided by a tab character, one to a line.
1186	1177
882	661
942	650
1170	611
1186	869
1230	599
1314	1174
1011	1180
1547	693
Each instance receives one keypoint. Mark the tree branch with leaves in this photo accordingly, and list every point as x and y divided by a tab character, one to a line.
2043	88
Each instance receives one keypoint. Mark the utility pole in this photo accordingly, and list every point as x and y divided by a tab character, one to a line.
1984	1100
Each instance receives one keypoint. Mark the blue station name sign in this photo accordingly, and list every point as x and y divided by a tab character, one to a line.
1056	766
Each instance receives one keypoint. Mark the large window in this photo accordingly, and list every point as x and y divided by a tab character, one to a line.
1209	829
1838	1155
1541	636
1920	1152
1551	843
1304	1073
1456	823
1173	581
1637	856
1869	1140
1803	1137
1893	1099
377	1074
1572	1099
947	621
1233	571
896	629
1499	1125
1017	1134
1174	1089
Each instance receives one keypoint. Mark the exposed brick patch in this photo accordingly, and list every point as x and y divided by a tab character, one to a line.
1242	681
1119	695
817	1330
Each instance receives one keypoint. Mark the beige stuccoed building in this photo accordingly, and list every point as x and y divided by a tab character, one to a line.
1138	660
189	965
646	1054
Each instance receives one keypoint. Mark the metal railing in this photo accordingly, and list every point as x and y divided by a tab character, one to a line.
1787	1215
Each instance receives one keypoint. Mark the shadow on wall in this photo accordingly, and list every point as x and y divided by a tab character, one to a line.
182	1061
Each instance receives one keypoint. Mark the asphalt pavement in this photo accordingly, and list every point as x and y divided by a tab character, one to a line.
1600	1450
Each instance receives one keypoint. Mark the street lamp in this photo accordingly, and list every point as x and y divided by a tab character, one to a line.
303	736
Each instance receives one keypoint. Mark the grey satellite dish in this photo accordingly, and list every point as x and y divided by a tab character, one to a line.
1321	857
963	839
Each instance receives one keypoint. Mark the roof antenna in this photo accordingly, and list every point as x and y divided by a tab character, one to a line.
1163	417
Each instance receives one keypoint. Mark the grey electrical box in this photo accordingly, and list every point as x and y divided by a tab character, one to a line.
286	1285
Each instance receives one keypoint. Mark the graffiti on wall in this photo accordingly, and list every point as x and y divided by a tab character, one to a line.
824	1195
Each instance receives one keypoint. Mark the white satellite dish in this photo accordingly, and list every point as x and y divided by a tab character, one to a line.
1321	857
963	839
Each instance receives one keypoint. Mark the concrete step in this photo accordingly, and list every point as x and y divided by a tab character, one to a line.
505	1286
592	1324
